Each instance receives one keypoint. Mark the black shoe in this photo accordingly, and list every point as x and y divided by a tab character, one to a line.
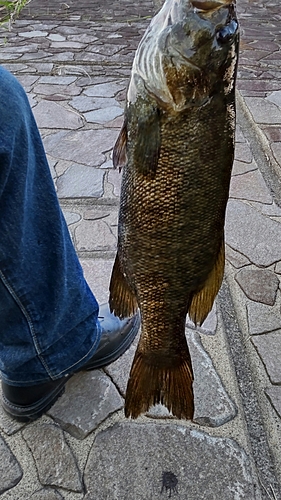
29	403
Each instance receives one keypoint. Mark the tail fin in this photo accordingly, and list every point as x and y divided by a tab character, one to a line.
149	385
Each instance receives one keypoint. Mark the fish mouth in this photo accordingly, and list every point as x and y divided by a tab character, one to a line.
207	5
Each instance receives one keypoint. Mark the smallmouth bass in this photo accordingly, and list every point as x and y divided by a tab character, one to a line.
176	148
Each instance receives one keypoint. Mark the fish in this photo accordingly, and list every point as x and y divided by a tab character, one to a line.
175	150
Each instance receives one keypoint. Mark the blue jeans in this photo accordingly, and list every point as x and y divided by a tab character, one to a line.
48	315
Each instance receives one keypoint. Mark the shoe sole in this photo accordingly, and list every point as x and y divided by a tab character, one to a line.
32	412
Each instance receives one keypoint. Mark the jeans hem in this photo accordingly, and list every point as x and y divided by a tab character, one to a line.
71	370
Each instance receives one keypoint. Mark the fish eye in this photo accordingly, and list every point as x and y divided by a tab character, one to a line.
226	33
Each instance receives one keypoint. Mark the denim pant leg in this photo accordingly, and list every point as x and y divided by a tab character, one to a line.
48	315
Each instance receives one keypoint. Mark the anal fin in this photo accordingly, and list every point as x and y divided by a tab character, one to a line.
202	301
122	300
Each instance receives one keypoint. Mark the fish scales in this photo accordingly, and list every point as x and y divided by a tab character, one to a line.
177	156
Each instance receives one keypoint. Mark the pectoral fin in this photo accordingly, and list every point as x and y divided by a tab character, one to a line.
202	302
120	149
147	141
122	300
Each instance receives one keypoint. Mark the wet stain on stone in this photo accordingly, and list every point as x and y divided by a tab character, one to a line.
169	483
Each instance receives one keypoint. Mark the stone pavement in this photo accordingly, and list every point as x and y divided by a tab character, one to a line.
74	61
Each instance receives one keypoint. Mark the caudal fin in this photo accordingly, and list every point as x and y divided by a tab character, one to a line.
150	384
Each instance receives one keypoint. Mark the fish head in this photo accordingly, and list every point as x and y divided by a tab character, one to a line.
189	53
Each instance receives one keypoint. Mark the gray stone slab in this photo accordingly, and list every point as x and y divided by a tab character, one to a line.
103	115
71	217
55	37
85	147
81	181
10	470
48	89
268	347
213	406
109	89
272	210
97	273
33	34
277	268
114	177
274	396
275	97
90	398
57	44
260	285
93	236
21	49
8	424
17	67
250	186
263	111
84	103
54	459
107	49
276	149
243	153
49	114
164	461
83	37
6	56
240	167
46	494
57	80
38	55
263	318
252	234
239	136
27	81
40	67
235	258
62	57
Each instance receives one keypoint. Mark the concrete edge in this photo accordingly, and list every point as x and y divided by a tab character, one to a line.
262	153
261	453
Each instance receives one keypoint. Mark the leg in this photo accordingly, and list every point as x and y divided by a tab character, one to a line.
49	326
48	321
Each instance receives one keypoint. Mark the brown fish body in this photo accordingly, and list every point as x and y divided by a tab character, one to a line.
177	147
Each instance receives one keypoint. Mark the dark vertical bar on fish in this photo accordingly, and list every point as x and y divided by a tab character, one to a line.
176	149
